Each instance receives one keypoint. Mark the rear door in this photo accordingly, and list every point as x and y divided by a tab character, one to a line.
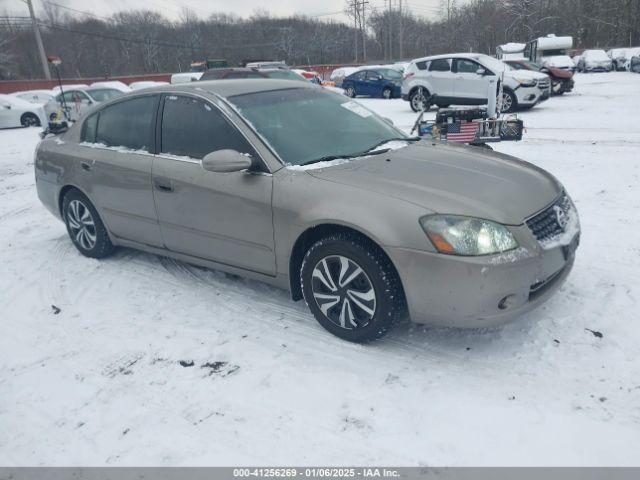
441	78
114	167
224	217
373	83
468	83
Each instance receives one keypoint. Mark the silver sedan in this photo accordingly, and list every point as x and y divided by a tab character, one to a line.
310	191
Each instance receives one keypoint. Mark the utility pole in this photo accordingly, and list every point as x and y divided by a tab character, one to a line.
400	32
355	25
36	32
364	4
390	36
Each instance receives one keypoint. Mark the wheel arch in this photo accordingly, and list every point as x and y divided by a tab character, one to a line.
317	232
415	88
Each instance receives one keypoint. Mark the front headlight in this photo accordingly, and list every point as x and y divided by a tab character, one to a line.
527	82
457	235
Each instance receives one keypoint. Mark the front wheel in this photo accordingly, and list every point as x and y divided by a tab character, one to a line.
387	93
351	288
509	101
86	230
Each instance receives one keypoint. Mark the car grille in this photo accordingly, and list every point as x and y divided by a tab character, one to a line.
546	224
544	84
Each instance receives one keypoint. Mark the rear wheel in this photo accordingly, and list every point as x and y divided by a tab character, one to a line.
351	288
86	230
351	92
29	120
419	100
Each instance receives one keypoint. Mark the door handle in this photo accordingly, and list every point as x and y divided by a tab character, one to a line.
163	184
86	166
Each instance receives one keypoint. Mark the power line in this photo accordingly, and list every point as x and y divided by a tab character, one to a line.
75	10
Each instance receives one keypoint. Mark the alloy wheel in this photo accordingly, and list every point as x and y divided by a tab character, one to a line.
343	292
81	224
418	102
386	93
351	92
507	103
30	121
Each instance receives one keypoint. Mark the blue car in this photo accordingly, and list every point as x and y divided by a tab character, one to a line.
374	82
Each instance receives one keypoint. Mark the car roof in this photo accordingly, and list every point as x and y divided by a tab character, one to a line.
229	88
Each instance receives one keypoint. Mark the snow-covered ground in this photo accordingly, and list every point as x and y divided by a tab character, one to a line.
152	361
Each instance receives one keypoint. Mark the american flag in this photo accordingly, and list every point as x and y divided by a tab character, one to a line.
462	131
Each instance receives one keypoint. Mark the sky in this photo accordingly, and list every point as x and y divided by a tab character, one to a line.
326	9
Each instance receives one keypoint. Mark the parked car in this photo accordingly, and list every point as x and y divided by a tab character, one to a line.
113	84
78	100
185	77
283	74
35	96
229	73
464	79
628	55
618	58
71	86
309	191
634	64
339	74
594	61
146	84
16	112
561	80
379	82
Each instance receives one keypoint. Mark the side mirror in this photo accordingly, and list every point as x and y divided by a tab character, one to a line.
378	78
226	161
481	71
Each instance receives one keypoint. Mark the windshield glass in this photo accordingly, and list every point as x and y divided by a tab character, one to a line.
307	124
104	94
284	75
531	64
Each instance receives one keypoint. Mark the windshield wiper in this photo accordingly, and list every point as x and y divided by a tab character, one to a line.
369	151
395	139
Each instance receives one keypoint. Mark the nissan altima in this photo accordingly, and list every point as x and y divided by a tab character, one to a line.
310	191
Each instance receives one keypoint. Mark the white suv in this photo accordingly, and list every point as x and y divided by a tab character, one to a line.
465	78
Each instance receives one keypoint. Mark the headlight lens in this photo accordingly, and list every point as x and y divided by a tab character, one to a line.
457	235
526	82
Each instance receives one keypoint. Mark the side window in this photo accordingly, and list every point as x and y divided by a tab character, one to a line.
421	65
373	74
359	75
439	65
128	124
89	129
193	128
462	65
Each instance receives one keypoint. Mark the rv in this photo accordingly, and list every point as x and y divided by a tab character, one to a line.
550	51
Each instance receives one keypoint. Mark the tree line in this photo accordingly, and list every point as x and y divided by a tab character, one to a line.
144	41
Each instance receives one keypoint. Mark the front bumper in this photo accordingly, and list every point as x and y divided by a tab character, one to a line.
470	292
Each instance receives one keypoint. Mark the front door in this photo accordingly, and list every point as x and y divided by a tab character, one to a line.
468	83
224	217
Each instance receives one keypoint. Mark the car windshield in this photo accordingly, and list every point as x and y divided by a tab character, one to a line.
304	125
104	94
596	55
531	64
284	75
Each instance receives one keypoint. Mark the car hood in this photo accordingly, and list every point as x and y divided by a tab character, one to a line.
451	179
525	74
560	73
559	61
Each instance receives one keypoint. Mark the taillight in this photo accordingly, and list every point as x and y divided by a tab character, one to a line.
407	75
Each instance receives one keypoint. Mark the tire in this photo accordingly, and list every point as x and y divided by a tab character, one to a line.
30	120
350	92
387	94
379	299
509	101
419	101
84	226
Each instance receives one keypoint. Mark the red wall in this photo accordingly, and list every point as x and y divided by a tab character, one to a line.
10	86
